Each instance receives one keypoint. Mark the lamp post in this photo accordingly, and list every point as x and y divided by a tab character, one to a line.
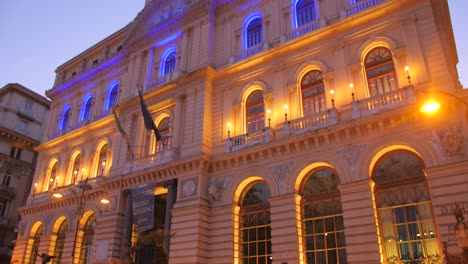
81	198
83	186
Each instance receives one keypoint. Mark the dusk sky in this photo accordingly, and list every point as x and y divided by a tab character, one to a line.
40	35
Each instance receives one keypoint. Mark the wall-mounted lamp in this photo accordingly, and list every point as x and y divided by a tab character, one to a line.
35	187
229	129
332	93
268	114
103	167
75	178
407	74
285	106
351	87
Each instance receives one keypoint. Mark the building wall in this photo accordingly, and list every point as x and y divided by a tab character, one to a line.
213	162
23	116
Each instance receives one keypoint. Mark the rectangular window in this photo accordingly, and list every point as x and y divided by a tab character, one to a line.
15	152
28	105
3	205
6	178
23	126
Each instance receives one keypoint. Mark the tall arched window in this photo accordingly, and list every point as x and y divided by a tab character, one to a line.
255	111
254	225
53	176
87	240
112	96
60	241
322	218
404	208
380	71
102	160
254	32
164	129
65	118
76	169
33	243
305	12
87	105
313	93
168	62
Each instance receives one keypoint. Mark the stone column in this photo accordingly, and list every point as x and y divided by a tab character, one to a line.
171	186
127	228
286	245
362	243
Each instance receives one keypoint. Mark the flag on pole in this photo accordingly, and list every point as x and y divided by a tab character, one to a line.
149	123
122	132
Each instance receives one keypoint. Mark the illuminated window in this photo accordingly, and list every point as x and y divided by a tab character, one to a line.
313	93
254	32
33	244
112	95
380	71
166	139
63	125
87	240
53	176
88	104
404	210
254	225
168	62
255	111
101	163
60	241
322	219
76	169
305	12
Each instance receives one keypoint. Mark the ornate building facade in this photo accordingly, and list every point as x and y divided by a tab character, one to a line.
290	132
23	117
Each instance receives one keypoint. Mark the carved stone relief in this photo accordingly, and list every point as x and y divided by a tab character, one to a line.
450	141
351	155
280	171
217	188
189	187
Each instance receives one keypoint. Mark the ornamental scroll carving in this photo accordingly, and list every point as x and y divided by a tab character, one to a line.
217	188
351	156
280	171
451	141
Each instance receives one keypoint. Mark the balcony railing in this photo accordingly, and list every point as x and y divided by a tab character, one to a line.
249	139
250	52
312	26
384	101
164	153
163	79
311	122
361	6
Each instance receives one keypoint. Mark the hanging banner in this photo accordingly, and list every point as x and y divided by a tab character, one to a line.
143	207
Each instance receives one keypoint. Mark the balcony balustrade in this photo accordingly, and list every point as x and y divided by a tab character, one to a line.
310	122
249	139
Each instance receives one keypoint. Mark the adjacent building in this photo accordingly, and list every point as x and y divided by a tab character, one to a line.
282	131
23	118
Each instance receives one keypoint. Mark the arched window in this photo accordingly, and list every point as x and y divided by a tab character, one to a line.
254	225
60	241
33	243
53	176
322	218
313	93
87	105
87	240
112	96
102	160
404	209
168	62
76	169
254	32
380	71
255	111
65	118
305	12
166	139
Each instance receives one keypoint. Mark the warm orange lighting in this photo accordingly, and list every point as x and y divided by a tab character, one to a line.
57	195
407	68
268	111
105	200
430	107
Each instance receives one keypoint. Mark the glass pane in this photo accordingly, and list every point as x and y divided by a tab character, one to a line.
331	243
318	226
320	241
331	255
